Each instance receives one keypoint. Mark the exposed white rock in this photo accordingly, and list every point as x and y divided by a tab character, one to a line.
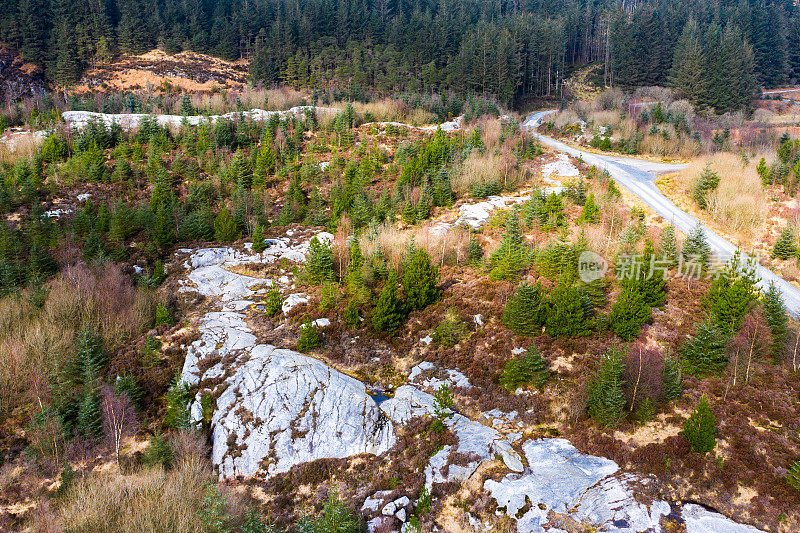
562	167
473	437
371	504
275	408
321	323
426	340
56	213
403	501
477	214
401	515
131	121
558	474
478	319
280	408
419	369
389	509
293	300
700	520
611	502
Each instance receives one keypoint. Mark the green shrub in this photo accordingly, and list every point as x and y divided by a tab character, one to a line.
389	312
707	182
606	399
177	401
700	429
512	256
526	312
451	330
671	379
335	518
351	315
474	250
442	407
213	513
225	228
558	261
628	314
777	318
527	368
272	303
793	475
328	295
590	211
309	338
127	384
319	261
163	315
704	355
786	245
259	243
568	314
695	246
669	245
419	280
159	452
733	293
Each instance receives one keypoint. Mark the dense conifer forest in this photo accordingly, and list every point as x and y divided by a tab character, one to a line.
718	53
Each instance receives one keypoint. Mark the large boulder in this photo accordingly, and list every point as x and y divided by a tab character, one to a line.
279	408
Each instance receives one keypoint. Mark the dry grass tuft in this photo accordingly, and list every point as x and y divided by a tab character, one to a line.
151	499
740	204
498	166
445	248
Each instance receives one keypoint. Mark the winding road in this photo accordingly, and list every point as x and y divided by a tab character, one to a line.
638	176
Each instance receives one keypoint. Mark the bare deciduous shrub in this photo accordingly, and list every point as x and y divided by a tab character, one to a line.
119	418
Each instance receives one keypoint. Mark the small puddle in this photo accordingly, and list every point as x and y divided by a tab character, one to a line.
379	395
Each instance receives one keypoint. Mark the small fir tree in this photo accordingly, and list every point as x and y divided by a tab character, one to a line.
777	319
309	337
419	280
696	246
319	261
590	211
700	429
567	314
786	245
530	367
704	355
669	245
259	243
388	315
606	399
225	229
629	313
525	312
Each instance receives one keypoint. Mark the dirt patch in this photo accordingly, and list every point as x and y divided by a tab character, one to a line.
186	71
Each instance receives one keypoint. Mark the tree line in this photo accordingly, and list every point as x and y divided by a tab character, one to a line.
510	48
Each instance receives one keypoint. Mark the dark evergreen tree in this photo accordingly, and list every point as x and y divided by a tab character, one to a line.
606	399
388	313
786	245
700	429
629	313
526	311
777	318
419	280
704	355
567	314
529	367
